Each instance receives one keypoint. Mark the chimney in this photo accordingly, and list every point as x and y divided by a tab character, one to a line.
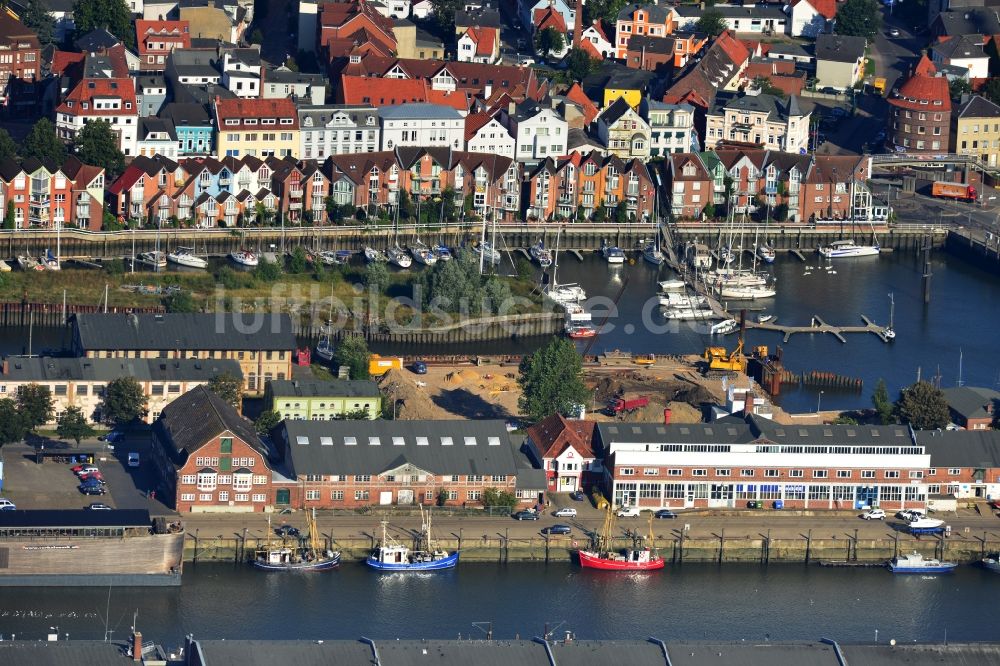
666	416
6	366
137	646
511	108
578	28
748	403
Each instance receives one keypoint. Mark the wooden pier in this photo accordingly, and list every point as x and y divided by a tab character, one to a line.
819	326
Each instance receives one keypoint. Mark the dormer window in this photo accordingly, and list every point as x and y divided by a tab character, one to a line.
355	59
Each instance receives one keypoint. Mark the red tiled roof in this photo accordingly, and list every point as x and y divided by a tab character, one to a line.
475	122
924	91
86	90
576	94
732	47
382	92
588	46
241	109
63	60
596	25
458	100
827	8
548	17
484	38
554	434
172	30
925	67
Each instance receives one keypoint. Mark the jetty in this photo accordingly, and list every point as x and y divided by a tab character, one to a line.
817	325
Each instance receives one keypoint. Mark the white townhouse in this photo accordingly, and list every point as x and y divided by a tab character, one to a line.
421	124
489	137
539	132
337	130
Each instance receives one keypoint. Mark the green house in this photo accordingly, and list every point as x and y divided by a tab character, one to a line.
322	400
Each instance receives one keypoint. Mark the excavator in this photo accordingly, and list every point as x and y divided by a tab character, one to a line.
724	364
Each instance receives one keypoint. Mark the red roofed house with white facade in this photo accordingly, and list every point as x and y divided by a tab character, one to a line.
479	45
108	99
811	17
566	450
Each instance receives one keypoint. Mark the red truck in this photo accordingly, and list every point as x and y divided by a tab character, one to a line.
953	191
622	405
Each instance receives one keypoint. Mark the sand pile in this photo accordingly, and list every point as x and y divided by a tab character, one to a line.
413	401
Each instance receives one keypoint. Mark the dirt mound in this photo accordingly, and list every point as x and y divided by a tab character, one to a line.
411	401
454	378
693	394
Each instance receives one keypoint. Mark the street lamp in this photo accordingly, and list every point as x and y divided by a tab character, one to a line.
819	401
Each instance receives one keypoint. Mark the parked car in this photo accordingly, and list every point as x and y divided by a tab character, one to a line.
893	32
664	513
419	368
86	467
874	514
287	531
112	436
133	459
524	515
96	489
577	495
97	506
7	505
628	512
92	476
557	529
565	512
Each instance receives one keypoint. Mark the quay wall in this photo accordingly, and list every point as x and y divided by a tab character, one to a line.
974	250
807	239
675	547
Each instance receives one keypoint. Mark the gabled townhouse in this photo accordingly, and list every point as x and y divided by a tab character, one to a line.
539	131
335	130
105	92
301	188
782	188
479	44
613	80
567	451
150	94
594	40
421	125
835	189
721	68
549	18
623	131
303	88
48	195
840	61
973	407
194	127
964	51
156	39
567	9
764	120
157	136
484	133
241	71
588	109
368	181
142	192
256	127
744	171
671	127
20	65
634	19
691	185
811	17
352	28
975	130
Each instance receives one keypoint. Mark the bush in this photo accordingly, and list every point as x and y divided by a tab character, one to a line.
115	266
267	271
230	279
497	497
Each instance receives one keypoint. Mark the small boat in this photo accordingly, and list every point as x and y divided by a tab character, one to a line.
612	253
337	258
488	252
244	257
765	253
675	300
642	556
423	254
843	249
671	285
29	263
653	255
4	266
372	255
991	562
303	556
442	252
921	525
185	256
398	257
764	318
688	314
566	293
724	327
155	259
390	555
49	261
579	331
890	331
541	254
915	563
747	293
726	255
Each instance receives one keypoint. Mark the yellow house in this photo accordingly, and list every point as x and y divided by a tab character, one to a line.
257	127
631	95
976	130
618	81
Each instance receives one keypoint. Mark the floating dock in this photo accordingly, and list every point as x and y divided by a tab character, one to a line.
817	325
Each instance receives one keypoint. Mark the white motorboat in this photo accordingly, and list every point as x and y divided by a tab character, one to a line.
373	255
765	253
566	293
917	563
28	263
398	257
49	261
843	249
155	259
689	314
746	293
244	257
991	562
4	266
489	253
185	256
423	254
764	318
724	327
677	300
612	253
653	254
575	312
671	285
541	254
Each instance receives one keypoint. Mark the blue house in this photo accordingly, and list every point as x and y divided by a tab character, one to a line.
194	126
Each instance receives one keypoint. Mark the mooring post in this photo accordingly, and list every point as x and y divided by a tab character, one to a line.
927	270
194	558
855	544
809	540
722	544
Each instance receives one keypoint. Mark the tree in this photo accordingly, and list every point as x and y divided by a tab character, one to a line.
35	404
72	424
257	36
267	271
376	276
444	14
113	15
266	421
551	380
297	263
709	211
621	212
9	221
36	16
124	401
549	41
8	147
43	144
352	352
579	64
859	18
182	301
11	424
498	497
882	404
923	406
97	143
228	387
711	23
991	90
959	87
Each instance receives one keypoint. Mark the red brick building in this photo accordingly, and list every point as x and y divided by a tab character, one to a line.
920	112
47	195
209	457
20	64
567	450
157	39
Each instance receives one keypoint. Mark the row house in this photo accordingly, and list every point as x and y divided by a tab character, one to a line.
580	184
744	169
48	195
157	137
157	39
194	127
765	120
112	100
671	127
150	94
539	131
360	463
241	71
227	209
302	87
301	189
623	131
256	127
733	461
421	124
20	64
691	185
80	382
568	452
835	189
337	130
653	20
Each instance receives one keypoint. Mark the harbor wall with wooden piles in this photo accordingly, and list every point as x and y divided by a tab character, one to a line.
807	239
23	313
977	252
844	549
502	327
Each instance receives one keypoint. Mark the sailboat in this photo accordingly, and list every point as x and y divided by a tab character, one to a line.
155	259
4	266
442	252
889	331
302	557
390	555
49	260
185	256
642	556
541	254
398	257
423	254
29	263
847	248
743	285
372	255
765	252
488	253
244	257
651	252
563	293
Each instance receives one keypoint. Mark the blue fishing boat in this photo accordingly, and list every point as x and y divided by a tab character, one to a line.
391	555
915	563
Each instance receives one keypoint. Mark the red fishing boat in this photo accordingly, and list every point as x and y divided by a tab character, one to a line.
577	331
642	556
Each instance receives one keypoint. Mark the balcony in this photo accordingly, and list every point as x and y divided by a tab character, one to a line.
295	205
295	193
225	182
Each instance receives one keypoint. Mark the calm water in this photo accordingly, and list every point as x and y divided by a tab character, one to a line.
693	602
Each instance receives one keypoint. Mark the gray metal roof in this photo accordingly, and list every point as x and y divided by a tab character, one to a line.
961	448
53	369
285	75
299	653
752	654
355	388
840	48
321	115
461	653
187	114
654	13
196	331
602	653
775	107
420	111
63	653
968	654
373	447
971	402
197	416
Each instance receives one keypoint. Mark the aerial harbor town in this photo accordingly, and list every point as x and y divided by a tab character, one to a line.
555	332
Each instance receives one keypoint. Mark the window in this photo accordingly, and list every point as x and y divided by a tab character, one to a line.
226	445
932	472
207	481
187	497
675	472
771	473
474	495
337	495
892	473
867	474
916	474
699	472
843	473
205	497
312	495
363	478
722	472
650	471
628	471
795	473
746	472
954	471
188	479
223	496
242	497
361	495
819	473
259	497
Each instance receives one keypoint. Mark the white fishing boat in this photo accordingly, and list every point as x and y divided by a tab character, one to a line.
372	255
4	266
398	257
737	277
724	327
28	263
612	253
541	254
917	563
671	285
155	259
185	256
423	254
746	293
843	249
765	253
49	261
244	257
